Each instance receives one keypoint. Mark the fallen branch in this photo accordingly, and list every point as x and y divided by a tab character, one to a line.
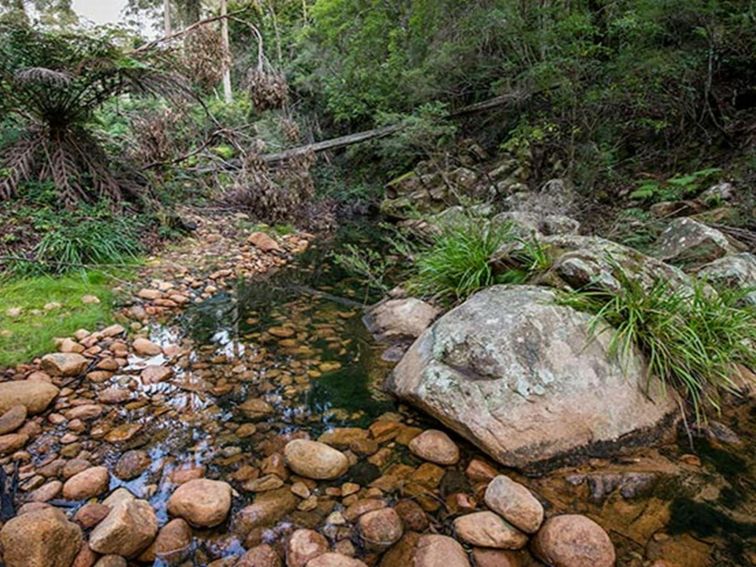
194	26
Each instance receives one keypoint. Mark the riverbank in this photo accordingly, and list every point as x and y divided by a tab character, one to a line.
201	403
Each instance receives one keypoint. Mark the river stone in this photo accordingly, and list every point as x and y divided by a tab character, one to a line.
111	561
12	419
401	318
315	460
87	484
144	347
172	544
256	409
64	364
132	464
201	502
12	442
335	560
689	243
515	503
437	550
267	509
737	271
380	529
304	545
572	540
261	556
155	374
487	529
41	538
486	557
128	529
524	379
33	395
435	446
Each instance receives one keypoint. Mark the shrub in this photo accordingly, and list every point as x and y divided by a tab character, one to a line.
692	338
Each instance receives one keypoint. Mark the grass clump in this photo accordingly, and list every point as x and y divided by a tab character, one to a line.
32	332
458	263
691	337
92	236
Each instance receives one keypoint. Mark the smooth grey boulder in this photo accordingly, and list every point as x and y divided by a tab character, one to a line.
522	378
736	272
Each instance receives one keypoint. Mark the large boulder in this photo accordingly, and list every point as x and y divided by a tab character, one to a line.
590	262
689	243
524	378
40	538
736	272
33	395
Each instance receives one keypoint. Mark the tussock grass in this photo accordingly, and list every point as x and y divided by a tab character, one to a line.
458	263
692	337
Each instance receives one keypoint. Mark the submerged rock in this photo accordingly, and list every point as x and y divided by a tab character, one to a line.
40	538
572	540
398	319
312	459
523	378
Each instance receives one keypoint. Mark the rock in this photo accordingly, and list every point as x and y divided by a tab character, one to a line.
380	529
255	408
111	561
529	225
524	379
143	347
412	514
84	412
34	396
487	529
335	560
435	446
737	271
398	319
155	374
46	492
41	538
263	242
91	514
90	299
12	442
64	364
689	243
515	503
260	556
312	459
267	509
128	529
132	464
439	550
87	484
172	545
123	432
201	502
304	545
495	558
573	541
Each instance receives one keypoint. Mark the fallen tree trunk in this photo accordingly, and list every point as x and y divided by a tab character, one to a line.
376	133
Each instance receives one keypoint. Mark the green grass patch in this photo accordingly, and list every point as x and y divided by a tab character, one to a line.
32	333
691	337
458	263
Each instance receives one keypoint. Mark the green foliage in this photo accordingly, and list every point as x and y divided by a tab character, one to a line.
91	236
691	338
458	263
675	188
32	333
371	266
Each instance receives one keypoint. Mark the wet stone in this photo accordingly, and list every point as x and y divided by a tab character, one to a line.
315	460
486	529
201	502
87	484
515	503
380	529
12	419
304	545
132	464
436	447
574	541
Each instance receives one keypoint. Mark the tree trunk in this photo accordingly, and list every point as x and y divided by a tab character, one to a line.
228	94
167	17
